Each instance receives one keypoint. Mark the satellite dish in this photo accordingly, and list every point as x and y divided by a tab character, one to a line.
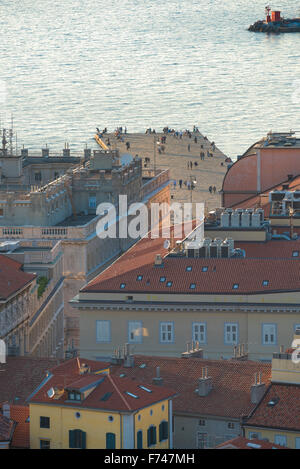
51	393
166	244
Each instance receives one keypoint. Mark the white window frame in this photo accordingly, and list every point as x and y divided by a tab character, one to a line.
230	341
134	326
297	442
202	339
104	339
269	329
163	331
281	438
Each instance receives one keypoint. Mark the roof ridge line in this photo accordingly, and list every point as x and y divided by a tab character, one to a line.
120	394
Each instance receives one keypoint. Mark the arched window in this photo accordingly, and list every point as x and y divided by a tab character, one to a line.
151	436
77	439
110	441
163	431
139	439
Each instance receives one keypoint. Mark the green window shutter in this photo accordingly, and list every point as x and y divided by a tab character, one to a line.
83	440
110	441
165	431
154	436
161	431
149	437
140	439
71	439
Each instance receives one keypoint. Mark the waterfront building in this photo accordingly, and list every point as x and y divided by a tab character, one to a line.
263	166
52	198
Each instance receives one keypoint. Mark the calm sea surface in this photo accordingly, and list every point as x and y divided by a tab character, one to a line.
68	66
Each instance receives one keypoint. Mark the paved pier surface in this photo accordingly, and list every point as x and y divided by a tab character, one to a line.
176	155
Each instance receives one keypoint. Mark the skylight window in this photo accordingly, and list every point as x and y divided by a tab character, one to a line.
143	365
106	396
295	253
123	285
192	286
265	283
139	278
145	389
169	284
122	375
189	268
204	269
273	402
131	395
162	279
235	286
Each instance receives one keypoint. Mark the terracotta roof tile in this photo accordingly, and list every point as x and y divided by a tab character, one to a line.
20	376
112	393
243	443
232	381
285	411
12	278
20	414
6	428
219	277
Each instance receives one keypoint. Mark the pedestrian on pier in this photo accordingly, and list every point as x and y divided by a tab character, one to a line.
180	183
189	147
127	145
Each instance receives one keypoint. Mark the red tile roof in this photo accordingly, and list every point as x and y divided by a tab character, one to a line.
286	411
112	393
221	274
243	443
12	278
20	376
6	428
232	381
20	414
274	249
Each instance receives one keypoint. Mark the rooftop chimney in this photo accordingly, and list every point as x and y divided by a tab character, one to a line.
192	350
6	410
204	383
158	261
257	389
157	379
128	357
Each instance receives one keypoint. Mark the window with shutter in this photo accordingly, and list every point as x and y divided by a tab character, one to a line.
139	439
199	332
77	439
166	332
135	331
151	436
103	331
231	333
110	441
163	431
269	334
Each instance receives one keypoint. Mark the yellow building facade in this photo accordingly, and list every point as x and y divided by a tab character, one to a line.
138	418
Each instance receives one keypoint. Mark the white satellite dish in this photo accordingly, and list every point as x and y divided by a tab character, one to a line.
166	244
51	393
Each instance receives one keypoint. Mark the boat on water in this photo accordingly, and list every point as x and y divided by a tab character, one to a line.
275	23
